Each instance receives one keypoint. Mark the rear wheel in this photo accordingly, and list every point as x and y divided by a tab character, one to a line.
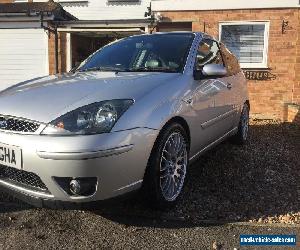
243	129
167	167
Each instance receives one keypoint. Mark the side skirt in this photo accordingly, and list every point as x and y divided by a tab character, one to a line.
213	144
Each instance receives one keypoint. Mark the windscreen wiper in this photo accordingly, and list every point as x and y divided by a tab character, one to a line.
153	69
89	69
101	69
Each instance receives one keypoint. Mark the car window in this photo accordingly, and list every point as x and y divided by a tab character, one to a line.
231	62
159	52
208	53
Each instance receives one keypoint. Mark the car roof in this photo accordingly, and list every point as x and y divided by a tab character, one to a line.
201	34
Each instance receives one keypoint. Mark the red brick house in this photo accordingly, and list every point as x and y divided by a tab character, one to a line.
263	34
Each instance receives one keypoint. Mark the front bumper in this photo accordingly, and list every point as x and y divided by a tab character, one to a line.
117	159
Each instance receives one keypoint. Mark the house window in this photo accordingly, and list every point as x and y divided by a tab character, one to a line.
248	41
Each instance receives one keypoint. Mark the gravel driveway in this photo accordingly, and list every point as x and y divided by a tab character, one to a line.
258	183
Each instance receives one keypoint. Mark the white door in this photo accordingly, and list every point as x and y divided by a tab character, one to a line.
23	55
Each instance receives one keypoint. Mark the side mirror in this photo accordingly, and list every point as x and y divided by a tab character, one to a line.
210	70
214	70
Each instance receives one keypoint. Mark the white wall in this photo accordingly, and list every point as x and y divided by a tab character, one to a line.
164	5
23	54
102	10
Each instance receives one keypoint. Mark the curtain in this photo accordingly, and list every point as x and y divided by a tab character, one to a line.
245	41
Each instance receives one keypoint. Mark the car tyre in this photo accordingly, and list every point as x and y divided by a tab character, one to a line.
167	167
243	129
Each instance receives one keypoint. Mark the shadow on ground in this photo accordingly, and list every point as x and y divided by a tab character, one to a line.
256	182
11	204
259	181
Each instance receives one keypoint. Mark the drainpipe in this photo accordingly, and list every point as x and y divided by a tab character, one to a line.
53	31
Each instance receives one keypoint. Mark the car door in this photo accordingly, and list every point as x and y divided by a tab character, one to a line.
212	100
236	79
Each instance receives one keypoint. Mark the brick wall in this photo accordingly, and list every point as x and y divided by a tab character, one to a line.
293	113
296	90
61	53
267	97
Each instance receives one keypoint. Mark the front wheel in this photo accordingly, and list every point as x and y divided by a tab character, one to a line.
167	167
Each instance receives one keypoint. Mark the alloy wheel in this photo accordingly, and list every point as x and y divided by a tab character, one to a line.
173	166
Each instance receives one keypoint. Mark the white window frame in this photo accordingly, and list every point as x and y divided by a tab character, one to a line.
264	64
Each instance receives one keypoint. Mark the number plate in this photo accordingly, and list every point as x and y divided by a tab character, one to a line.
10	156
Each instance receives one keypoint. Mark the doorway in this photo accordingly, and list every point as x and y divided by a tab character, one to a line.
83	45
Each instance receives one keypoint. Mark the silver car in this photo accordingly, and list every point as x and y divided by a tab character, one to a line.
132	116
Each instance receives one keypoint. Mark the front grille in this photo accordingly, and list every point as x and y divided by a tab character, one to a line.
18	125
25	178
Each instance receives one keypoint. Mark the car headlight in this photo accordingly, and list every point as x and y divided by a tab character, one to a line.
95	118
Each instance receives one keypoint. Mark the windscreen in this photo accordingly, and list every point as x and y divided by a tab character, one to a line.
158	52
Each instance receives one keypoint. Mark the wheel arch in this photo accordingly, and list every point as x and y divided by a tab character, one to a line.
182	122
175	119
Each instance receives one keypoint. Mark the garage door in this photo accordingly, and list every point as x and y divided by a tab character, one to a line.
23	55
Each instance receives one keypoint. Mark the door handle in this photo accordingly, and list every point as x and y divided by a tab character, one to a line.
229	86
188	101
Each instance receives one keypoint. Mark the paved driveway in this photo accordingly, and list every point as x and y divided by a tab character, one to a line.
231	191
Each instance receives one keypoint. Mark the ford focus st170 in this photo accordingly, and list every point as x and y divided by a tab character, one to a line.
132	116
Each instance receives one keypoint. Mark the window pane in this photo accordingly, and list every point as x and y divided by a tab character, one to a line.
245	41
165	51
208	52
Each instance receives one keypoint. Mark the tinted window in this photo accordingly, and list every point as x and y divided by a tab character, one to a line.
231	62
208	53
159	52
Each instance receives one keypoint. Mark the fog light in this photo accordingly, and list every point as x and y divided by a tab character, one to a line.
78	186
75	187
